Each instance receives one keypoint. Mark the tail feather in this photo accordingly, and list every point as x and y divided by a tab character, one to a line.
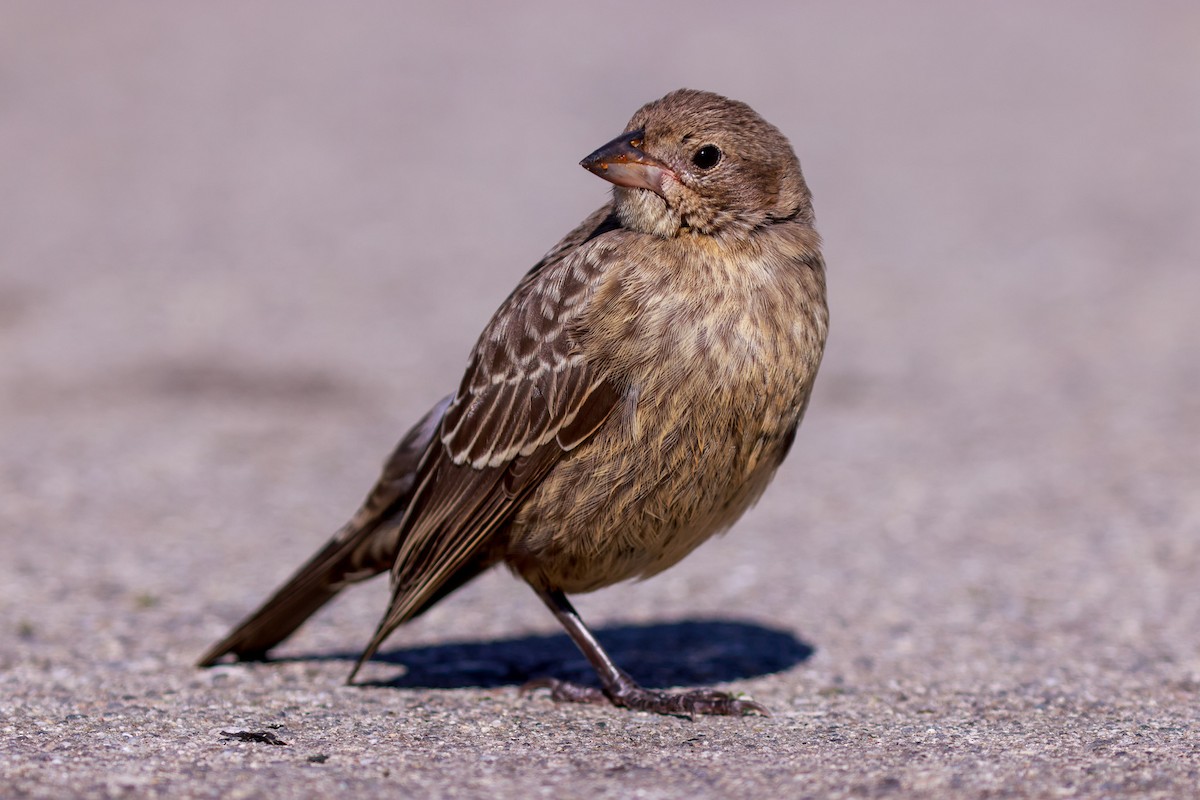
313	585
364	548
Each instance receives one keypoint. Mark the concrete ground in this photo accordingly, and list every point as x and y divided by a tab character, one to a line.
243	246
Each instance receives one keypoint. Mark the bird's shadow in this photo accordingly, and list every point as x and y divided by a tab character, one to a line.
686	653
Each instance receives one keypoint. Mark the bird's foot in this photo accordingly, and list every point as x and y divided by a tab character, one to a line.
690	703
565	691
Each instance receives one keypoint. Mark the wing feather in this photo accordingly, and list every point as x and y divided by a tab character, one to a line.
528	398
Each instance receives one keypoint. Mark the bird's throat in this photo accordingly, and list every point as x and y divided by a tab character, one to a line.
645	212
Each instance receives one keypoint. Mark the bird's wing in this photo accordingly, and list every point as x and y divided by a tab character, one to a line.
527	399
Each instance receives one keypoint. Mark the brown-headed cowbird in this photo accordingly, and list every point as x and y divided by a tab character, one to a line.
632	397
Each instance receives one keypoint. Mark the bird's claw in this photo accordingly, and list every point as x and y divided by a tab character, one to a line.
566	692
691	703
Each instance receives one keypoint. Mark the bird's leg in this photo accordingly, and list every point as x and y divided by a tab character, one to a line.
619	688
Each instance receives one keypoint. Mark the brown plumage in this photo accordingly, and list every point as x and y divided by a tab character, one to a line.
632	397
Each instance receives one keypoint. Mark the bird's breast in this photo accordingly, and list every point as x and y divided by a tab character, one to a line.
731	325
716	358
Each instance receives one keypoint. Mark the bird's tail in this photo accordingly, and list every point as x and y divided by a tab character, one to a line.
365	547
313	585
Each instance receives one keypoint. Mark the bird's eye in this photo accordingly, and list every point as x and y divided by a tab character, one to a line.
707	157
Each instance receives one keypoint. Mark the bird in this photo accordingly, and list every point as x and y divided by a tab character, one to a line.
631	398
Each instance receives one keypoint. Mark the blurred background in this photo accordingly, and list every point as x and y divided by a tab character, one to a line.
243	246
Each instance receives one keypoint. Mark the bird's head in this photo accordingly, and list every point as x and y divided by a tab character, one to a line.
697	162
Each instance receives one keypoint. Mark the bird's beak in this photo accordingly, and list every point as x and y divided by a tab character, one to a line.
623	162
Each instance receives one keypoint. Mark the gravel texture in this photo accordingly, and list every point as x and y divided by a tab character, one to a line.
244	245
